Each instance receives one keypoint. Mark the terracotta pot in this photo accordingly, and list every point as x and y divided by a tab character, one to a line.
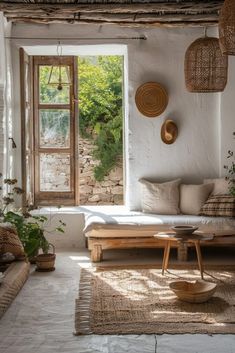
45	262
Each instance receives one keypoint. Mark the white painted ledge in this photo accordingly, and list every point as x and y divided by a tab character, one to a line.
46	210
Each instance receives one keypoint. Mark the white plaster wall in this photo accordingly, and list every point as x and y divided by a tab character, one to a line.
2	78
2	49
5	96
72	237
160	58
227	116
203	134
195	154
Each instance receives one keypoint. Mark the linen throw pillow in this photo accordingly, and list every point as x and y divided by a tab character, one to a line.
160	198
193	197
219	205
221	185
10	242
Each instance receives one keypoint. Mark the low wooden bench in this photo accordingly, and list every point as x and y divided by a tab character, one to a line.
116	227
100	240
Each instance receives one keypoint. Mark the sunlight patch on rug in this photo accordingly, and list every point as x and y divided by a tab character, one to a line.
139	301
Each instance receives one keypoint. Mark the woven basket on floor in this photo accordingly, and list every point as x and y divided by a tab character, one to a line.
227	27
205	66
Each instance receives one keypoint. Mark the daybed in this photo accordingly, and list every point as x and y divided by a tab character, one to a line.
117	228
164	205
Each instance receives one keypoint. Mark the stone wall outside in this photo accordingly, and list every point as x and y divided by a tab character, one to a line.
92	192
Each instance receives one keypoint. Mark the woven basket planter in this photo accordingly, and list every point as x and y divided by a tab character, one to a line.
227	27
205	66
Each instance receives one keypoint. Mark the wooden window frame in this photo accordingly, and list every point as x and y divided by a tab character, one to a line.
42	198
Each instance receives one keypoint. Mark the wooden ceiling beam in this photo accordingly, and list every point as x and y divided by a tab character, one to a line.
170	24
140	18
136	13
186	6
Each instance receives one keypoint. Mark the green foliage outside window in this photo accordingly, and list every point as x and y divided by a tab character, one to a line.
100	108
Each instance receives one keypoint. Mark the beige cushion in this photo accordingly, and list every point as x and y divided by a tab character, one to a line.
219	205
221	186
193	197
10	242
160	198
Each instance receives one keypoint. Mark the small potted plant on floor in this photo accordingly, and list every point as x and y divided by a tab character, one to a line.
31	229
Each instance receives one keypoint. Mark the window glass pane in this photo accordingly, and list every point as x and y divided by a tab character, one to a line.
54	128
55	172
48	91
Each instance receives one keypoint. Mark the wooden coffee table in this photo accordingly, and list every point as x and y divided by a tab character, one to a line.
195	238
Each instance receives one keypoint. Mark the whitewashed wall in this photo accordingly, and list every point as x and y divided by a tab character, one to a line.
197	151
227	116
2	78
5	97
205	121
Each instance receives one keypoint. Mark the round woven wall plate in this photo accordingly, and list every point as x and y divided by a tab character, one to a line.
151	99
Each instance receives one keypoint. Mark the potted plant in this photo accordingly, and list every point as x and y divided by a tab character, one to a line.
31	229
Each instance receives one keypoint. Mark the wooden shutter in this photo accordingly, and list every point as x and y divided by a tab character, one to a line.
27	160
47	155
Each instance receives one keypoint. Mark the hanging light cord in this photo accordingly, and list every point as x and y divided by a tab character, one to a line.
59	49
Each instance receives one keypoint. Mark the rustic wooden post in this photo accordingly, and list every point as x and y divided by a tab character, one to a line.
182	252
96	253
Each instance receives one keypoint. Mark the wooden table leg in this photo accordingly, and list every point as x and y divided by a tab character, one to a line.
166	256
96	253
199	257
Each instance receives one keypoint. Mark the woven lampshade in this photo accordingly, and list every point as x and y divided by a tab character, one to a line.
205	66
227	27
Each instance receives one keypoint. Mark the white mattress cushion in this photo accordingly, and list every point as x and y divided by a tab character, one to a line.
120	218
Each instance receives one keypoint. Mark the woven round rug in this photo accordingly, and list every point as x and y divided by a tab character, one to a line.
151	99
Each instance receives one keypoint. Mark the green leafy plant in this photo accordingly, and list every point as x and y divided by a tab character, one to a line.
108	146
31	229
231	171
100	109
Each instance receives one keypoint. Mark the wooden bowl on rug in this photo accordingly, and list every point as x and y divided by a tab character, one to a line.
193	292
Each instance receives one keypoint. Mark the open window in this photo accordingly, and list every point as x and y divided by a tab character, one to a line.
66	160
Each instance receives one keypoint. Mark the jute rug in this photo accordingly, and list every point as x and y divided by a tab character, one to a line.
138	301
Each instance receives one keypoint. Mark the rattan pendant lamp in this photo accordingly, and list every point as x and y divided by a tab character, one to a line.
227	27
205	66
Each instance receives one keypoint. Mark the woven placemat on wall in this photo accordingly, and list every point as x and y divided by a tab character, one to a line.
151	99
139	301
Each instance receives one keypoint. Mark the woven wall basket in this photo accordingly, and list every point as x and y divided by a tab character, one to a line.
151	99
227	27
205	66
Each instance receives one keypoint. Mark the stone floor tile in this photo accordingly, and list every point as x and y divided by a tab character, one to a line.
41	320
131	344
196	343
